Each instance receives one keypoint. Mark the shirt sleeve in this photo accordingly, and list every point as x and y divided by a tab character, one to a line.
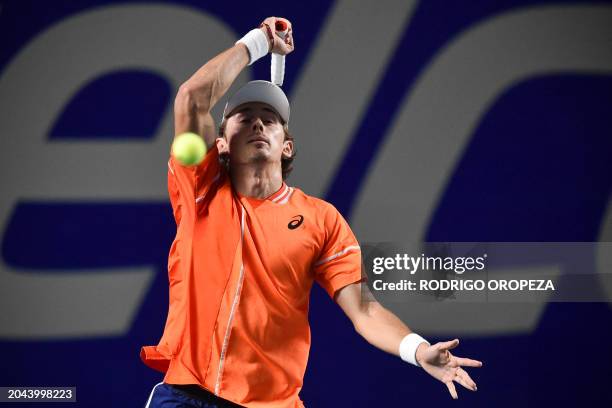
188	185
339	264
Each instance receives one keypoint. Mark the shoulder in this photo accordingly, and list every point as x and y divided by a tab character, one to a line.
300	198
324	211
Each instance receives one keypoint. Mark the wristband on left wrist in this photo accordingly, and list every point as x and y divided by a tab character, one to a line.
408	348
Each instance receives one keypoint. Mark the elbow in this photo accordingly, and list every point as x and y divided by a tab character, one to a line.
370	311
365	328
184	102
359	328
362	319
189	100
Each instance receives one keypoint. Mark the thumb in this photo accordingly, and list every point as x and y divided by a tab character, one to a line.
448	345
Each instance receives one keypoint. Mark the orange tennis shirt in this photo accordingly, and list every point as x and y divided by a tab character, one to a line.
240	272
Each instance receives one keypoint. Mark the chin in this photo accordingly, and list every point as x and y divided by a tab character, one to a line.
260	155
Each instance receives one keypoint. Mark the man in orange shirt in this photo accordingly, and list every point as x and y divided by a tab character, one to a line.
248	249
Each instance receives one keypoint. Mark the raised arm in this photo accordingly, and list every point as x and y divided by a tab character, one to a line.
384	330
199	94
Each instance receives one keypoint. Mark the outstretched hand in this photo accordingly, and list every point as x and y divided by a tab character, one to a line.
438	361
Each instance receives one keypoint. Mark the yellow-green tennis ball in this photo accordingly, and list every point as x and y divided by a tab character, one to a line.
189	149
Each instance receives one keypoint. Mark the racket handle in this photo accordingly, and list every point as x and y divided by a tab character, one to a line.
277	69
277	66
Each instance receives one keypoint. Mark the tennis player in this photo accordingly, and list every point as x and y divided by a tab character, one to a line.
248	249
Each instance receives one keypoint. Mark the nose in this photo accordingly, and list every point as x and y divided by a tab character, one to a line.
258	125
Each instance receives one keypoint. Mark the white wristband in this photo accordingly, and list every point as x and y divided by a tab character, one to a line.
257	44
408	348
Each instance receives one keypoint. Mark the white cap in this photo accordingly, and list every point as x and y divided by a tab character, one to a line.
260	91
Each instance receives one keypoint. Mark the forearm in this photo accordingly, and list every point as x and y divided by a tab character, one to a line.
197	96
381	328
209	83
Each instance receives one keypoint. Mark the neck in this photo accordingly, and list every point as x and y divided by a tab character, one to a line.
256	180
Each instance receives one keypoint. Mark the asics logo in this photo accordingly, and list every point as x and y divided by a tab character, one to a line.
295	222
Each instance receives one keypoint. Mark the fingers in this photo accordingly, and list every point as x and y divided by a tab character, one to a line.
463	378
289	38
282	46
448	345
463	382
452	390
467	362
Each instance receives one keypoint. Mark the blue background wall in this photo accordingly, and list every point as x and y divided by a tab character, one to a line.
556	125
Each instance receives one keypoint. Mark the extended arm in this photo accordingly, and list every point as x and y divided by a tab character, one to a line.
383	329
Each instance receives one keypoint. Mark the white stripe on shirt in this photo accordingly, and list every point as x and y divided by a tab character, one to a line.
337	254
170	167
281	195
287	198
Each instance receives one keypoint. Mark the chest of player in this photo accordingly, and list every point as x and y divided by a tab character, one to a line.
284	232
285	240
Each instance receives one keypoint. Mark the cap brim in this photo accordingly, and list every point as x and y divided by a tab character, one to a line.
260	91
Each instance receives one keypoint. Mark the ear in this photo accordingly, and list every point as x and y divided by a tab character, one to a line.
287	149
222	145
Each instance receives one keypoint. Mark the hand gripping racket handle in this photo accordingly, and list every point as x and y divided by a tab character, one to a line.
277	67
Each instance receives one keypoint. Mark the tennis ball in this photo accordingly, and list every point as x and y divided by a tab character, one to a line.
189	149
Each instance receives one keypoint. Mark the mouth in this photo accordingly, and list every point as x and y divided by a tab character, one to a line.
258	139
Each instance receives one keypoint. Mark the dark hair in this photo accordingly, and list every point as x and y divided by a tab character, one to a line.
286	162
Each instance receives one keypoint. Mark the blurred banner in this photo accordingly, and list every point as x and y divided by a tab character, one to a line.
432	121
